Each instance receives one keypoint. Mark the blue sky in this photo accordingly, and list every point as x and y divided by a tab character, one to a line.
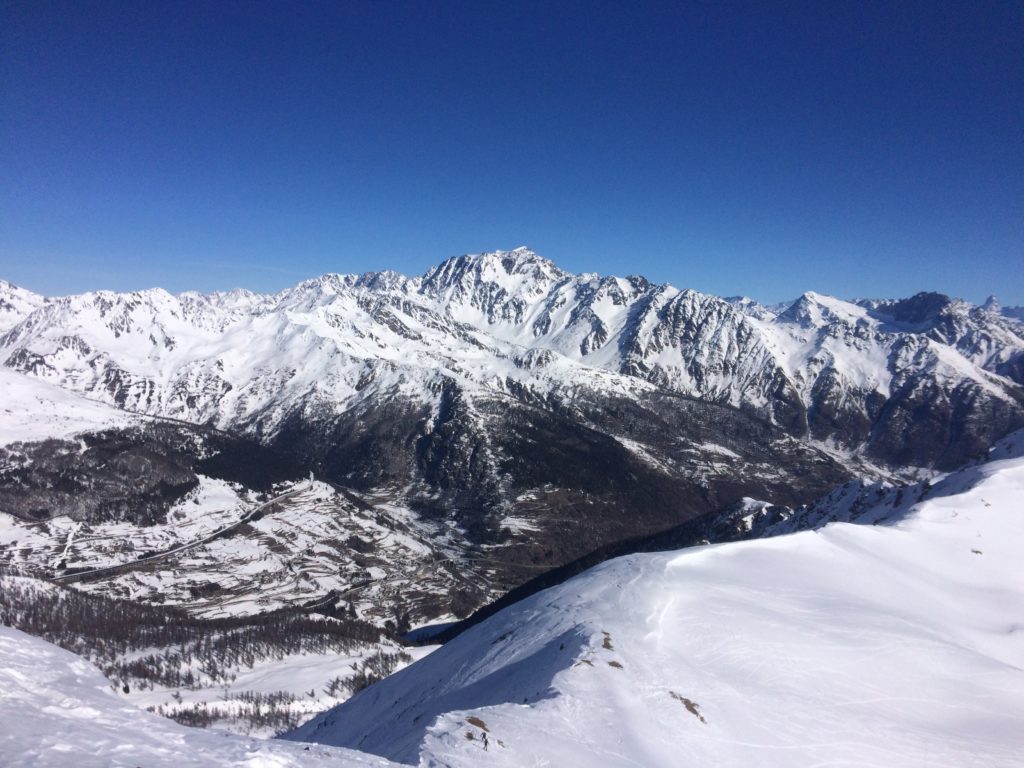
856	149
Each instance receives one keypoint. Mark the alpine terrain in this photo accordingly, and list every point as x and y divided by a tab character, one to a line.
888	641
895	642
238	505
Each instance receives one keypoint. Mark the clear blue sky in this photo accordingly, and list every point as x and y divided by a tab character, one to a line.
857	149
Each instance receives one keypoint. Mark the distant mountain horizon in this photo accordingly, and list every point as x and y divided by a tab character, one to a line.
990	301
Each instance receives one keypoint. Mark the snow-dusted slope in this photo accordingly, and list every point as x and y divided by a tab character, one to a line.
310	545
898	644
58	710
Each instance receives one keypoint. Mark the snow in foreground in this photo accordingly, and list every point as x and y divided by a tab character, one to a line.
58	710
886	645
890	645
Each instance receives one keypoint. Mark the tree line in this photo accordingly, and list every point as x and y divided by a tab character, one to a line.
136	644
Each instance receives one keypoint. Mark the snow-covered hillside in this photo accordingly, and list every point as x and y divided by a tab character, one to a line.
214	557
57	710
32	410
895	644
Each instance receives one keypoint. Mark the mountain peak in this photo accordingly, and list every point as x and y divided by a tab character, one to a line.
8	289
384	280
805	311
921	309
16	304
516	261
512	271
992	305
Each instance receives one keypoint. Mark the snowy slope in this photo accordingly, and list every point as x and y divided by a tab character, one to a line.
312	545
16	304
32	410
58	710
887	645
257	678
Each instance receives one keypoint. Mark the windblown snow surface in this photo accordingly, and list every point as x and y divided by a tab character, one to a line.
58	710
899	644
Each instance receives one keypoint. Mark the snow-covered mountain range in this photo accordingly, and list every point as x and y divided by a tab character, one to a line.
517	415
513	323
390	451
